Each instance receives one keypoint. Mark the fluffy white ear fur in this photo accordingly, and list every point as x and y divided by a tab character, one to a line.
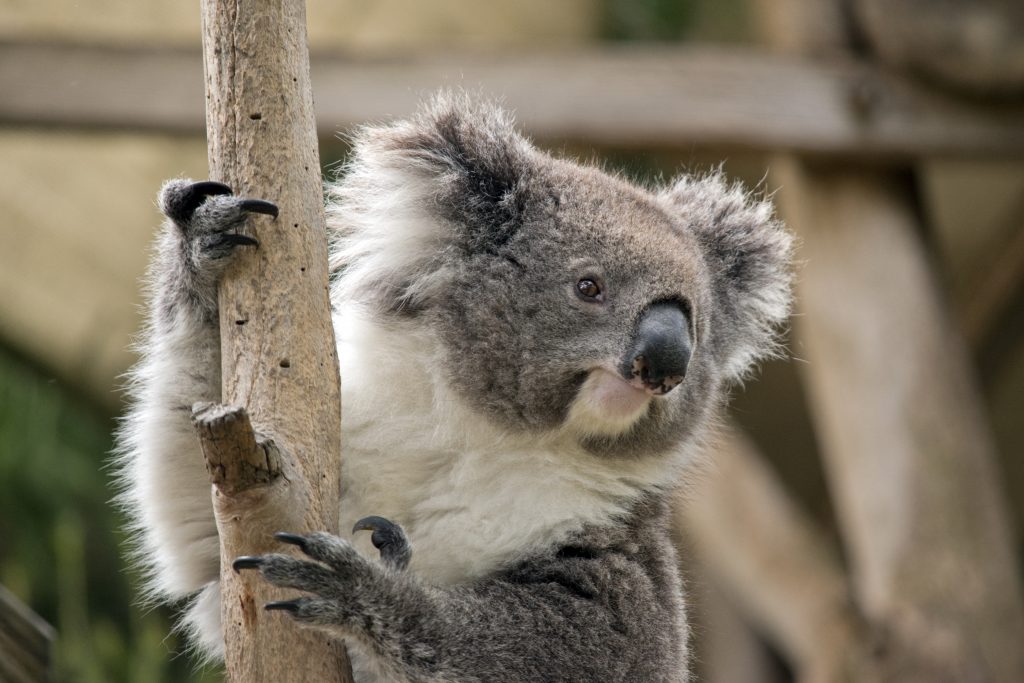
748	252
415	187
382	237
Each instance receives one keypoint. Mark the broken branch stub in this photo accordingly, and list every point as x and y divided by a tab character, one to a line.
236	457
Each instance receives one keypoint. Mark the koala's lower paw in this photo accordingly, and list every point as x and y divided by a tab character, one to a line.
389	539
340	579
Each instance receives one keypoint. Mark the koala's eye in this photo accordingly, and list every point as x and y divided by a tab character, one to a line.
589	290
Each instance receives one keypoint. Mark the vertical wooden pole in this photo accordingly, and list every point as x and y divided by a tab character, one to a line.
907	451
906	447
279	361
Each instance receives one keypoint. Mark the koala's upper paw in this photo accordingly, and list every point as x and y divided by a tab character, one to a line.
180	198
340	579
389	539
207	213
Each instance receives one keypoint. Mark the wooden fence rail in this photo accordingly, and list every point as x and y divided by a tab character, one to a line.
641	97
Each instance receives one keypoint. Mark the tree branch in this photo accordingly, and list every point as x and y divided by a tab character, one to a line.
236	460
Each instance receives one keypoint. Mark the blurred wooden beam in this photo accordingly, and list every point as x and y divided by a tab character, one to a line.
770	559
674	97
726	647
25	641
974	46
996	288
906	446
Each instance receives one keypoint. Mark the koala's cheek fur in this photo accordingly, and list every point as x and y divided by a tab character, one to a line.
517	345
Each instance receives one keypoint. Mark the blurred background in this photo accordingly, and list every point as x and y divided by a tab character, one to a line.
860	518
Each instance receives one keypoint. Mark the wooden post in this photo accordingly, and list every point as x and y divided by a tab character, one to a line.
278	352
906	449
907	452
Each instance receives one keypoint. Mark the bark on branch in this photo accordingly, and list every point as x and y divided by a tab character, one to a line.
278	355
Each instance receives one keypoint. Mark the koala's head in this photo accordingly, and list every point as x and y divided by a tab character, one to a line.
566	300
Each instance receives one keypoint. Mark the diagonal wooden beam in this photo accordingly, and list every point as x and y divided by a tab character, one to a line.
25	642
772	561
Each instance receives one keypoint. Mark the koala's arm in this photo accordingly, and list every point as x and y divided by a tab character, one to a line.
166	489
577	613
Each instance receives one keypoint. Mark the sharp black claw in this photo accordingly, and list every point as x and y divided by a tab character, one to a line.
388	538
372	523
293	539
247	562
209	187
259	206
284	605
194	195
235	239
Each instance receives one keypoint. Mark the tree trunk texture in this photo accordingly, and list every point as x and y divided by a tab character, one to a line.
279	362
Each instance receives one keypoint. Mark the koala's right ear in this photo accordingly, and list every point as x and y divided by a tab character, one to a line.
453	175
465	155
748	253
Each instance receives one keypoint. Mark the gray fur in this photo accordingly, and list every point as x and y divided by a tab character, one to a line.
452	230
604	606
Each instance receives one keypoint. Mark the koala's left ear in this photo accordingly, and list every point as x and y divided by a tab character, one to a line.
748	253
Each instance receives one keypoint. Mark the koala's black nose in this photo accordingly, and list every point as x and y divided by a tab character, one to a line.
661	348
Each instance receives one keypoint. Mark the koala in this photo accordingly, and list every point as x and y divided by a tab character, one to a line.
532	352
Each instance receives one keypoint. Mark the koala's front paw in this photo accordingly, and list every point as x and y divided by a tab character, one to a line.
206	212
341	581
206	217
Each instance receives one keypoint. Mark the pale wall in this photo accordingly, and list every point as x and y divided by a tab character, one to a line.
354	25
77	215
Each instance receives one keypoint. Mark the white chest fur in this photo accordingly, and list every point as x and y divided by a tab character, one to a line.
470	496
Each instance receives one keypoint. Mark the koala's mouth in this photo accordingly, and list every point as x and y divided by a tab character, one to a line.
607	404
617	397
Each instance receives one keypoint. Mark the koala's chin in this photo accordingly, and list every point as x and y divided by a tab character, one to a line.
607	405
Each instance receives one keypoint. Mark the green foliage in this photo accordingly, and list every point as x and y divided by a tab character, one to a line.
646	19
61	548
675	20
